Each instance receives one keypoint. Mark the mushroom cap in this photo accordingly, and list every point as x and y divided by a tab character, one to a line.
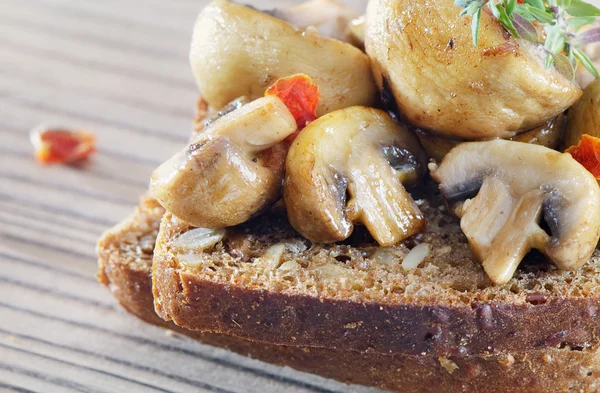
442	82
361	152
331	18
508	188
584	116
232	170
239	51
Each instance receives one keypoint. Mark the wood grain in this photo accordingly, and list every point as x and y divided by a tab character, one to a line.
118	68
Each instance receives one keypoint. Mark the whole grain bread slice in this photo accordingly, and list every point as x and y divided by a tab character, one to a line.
266	283
125	255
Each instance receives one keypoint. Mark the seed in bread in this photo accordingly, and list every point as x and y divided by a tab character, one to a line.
125	269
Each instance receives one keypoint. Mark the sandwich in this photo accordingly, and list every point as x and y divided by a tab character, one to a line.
430	238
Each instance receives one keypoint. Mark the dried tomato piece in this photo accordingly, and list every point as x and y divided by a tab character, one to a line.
61	146
300	94
587	153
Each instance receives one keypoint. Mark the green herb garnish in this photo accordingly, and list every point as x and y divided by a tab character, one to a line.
561	20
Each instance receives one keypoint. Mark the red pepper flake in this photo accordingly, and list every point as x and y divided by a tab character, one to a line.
300	94
587	153
60	146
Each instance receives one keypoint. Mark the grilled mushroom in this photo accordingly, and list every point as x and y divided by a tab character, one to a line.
232	170
442	82
237	51
584	116
331	18
505	191
361	152
548	134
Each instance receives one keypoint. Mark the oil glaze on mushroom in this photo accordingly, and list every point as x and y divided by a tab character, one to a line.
238	51
232	170
506	193
360	152
442	82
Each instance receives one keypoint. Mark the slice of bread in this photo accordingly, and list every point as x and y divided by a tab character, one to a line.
125	255
356	296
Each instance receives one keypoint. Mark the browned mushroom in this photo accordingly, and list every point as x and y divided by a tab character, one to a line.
363	152
232	170
238	51
503	190
442	82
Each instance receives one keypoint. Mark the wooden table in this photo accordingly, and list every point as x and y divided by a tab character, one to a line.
118	68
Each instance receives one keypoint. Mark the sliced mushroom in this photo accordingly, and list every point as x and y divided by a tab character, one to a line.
548	134
584	116
331	18
504	191
361	152
206	115
232	170
442	82
237	51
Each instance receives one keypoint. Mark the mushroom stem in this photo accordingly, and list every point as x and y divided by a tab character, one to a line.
256	126
517	237
484	216
383	205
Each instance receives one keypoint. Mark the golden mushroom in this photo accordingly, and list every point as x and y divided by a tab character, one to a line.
232	170
422	51
331	18
503	191
361	152
238	51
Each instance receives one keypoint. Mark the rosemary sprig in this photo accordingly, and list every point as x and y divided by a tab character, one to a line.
562	21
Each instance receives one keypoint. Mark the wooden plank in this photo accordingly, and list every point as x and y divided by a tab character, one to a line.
118	68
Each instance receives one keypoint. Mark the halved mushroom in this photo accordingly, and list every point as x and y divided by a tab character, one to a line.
505	191
237	51
548	134
232	170
584	116
331	18
442	82
361	152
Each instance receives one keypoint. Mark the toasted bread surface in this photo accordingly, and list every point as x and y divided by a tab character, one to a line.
356	296
125	255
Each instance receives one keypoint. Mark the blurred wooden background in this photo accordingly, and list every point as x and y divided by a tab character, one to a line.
118	68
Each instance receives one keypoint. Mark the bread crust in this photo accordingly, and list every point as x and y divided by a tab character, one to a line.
196	302
125	269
